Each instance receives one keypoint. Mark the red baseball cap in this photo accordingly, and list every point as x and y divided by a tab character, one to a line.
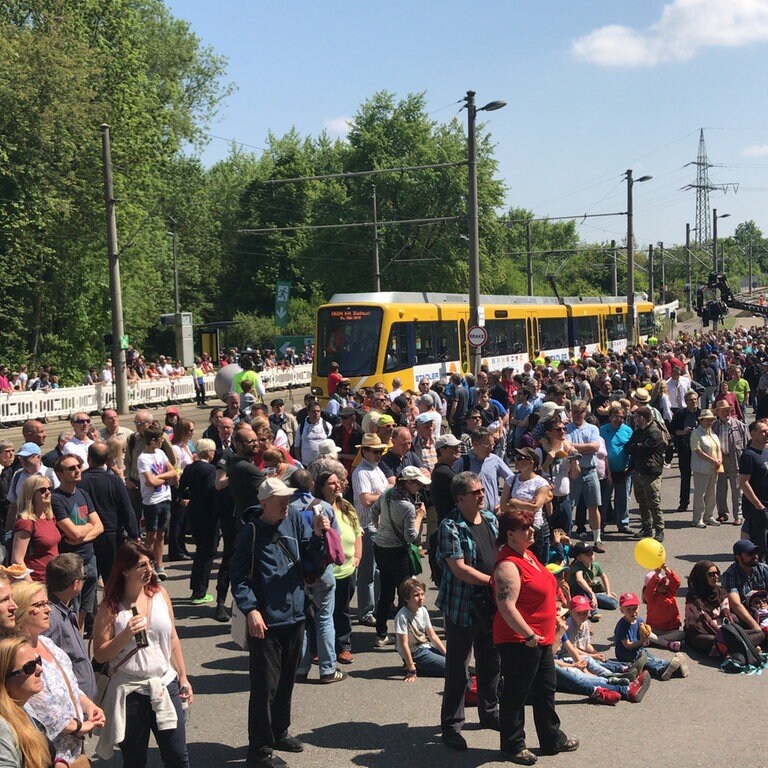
627	599
580	603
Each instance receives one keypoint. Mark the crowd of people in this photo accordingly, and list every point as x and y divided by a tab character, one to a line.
138	368
507	481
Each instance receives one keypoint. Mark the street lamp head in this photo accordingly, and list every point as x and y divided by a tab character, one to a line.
643	178
723	215
492	106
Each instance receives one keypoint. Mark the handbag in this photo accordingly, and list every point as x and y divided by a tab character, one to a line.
82	760
239	625
103	674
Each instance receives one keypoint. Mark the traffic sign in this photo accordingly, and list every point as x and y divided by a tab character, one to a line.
282	295
477	336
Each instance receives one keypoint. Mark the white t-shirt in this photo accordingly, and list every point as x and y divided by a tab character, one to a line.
414	625
155	463
78	448
525	490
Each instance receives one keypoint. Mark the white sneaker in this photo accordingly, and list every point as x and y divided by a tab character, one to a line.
672	667
383	642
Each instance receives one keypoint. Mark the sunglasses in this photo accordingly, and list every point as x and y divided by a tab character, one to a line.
82	421
27	669
43	491
714	574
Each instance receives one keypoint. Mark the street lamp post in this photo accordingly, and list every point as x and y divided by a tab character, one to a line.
631	259
715	217
472	214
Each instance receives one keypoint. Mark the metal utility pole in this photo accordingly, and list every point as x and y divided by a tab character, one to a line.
115	290
176	301
376	270
614	271
651	284
632	319
750	270
688	277
663	285
472	216
529	252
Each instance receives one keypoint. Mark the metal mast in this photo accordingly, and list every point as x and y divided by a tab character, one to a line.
703	187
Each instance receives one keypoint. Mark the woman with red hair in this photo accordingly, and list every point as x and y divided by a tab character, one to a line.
523	633
135	635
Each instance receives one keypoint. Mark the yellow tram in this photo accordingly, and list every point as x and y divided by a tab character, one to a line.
382	336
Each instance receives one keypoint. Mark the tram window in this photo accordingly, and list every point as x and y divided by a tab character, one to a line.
348	336
585	331
647	323
505	337
397	348
553	333
447	340
424	341
616	327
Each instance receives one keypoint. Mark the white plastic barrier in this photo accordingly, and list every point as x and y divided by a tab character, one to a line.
61	403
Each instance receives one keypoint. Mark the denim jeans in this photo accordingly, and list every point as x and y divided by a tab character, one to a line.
140	720
600	668
320	603
342	622
606	602
367	578
428	661
655	665
615	500
571	680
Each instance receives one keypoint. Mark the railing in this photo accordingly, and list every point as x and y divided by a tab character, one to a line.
60	403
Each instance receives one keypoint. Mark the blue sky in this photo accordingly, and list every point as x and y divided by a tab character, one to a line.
592	89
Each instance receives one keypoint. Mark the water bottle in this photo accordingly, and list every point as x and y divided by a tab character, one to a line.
184	696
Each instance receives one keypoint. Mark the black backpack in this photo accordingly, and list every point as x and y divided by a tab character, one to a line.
741	654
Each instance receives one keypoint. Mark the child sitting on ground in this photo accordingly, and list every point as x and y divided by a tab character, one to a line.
583	675
422	651
660	595
757	601
589	579
632	636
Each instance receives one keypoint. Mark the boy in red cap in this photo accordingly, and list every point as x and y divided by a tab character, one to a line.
632	636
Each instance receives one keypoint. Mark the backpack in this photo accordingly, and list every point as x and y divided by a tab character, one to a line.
741	655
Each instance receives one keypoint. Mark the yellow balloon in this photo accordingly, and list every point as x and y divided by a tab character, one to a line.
650	554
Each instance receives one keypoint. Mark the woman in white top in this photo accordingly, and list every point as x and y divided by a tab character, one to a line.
559	468
706	463
148	676
527	490
183	434
67	714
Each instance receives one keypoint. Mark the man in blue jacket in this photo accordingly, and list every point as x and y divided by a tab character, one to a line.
268	587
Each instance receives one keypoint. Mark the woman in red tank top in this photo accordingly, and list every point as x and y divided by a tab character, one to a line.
523	632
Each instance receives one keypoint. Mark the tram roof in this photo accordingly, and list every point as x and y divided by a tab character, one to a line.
412	297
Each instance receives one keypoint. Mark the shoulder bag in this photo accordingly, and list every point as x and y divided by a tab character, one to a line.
82	760
239	626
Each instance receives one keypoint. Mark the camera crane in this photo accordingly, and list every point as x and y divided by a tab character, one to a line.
714	299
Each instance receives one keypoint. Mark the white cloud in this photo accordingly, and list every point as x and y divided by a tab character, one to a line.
338	127
756	150
685	27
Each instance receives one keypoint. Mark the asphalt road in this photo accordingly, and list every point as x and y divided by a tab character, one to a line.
373	719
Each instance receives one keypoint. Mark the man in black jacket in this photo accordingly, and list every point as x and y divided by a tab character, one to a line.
646	451
112	502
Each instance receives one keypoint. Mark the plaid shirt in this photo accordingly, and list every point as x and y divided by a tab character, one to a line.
455	541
